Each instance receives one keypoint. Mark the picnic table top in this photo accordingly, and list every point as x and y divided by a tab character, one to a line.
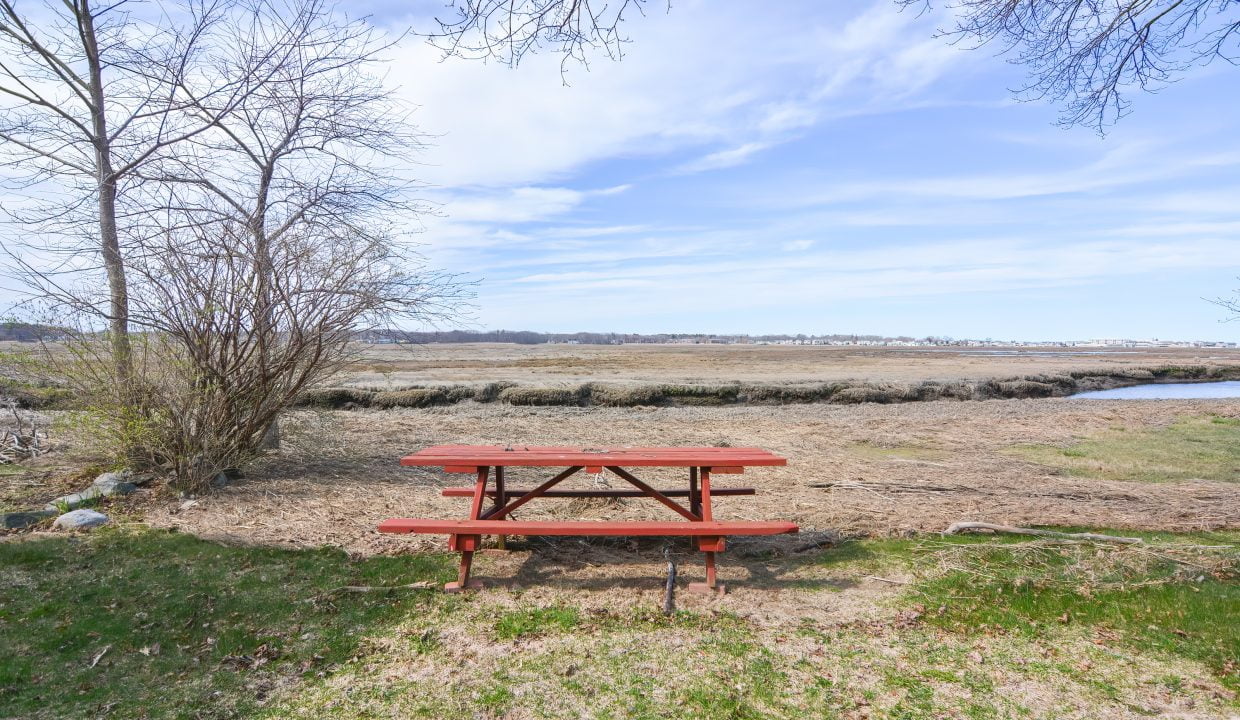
555	456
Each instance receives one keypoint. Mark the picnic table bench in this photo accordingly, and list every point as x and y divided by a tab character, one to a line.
487	464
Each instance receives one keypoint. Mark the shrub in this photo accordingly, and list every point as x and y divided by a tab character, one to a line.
862	394
700	394
624	396
491	391
457	393
1025	389
29	397
539	396
957	391
783	393
415	398
922	392
335	397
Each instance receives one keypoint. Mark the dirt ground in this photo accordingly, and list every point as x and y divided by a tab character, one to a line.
866	469
386	366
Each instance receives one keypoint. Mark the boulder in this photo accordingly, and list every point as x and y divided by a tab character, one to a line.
18	520
80	520
112	478
91	494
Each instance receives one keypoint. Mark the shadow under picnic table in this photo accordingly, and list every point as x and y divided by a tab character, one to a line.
606	563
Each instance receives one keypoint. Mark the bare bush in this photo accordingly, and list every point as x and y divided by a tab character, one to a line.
218	377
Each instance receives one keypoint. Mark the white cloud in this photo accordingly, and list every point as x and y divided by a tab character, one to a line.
702	74
724	158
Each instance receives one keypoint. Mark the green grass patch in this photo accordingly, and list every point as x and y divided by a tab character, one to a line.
1171	599
536	621
151	623
1196	448
11	469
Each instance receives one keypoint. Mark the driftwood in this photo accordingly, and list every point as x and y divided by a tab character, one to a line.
21	443
960	527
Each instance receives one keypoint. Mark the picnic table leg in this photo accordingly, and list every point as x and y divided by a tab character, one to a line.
709	545
695	500
467	544
501	499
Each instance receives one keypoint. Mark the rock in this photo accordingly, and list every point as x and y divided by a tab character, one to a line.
80	520
112	478
18	520
91	494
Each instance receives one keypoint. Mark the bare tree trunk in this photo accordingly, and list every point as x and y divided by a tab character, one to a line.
109	238
118	291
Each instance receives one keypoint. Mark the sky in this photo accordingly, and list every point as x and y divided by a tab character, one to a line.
818	168
803	167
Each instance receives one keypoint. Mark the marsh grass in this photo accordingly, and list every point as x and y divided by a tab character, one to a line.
1194	448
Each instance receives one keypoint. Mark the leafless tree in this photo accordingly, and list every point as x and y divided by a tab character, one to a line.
271	239
313	145
1088	53
507	30
260	219
88	96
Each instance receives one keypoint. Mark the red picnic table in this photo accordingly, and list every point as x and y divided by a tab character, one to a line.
487	462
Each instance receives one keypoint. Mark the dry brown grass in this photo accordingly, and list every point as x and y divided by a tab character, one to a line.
869	469
560	365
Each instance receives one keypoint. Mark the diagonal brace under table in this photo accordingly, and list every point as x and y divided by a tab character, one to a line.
653	493
498	513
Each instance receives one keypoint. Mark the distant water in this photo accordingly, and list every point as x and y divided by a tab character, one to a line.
1167	391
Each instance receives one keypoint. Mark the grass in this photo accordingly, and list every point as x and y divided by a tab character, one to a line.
1173	601
1194	448
150	623
196	629
11	469
536	621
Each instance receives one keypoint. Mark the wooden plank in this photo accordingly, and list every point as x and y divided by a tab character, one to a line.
468	469
715	492
583	528
548	456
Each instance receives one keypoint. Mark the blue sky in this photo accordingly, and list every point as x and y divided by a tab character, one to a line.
803	167
820	168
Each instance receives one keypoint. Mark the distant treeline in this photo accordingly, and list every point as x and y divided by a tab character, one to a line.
30	332
527	337
33	332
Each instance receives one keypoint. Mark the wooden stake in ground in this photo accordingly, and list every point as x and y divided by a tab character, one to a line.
959	527
669	593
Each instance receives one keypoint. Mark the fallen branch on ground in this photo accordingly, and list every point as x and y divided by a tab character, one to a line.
960	527
420	585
